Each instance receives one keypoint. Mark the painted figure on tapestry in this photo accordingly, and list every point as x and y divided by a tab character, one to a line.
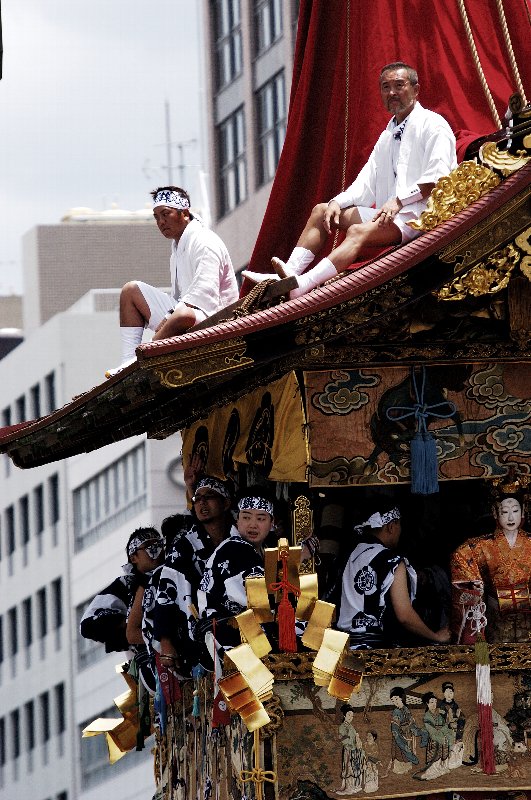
353	758
491	575
404	732
440	741
449	706
372	753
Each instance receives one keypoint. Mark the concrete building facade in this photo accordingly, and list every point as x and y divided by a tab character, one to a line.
249	63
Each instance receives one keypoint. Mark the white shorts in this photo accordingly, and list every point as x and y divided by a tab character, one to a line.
160	303
400	220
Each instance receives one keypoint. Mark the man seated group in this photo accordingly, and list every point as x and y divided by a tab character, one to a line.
416	148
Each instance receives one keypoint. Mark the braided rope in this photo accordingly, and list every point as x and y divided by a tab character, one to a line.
509	46
252	300
347	111
477	62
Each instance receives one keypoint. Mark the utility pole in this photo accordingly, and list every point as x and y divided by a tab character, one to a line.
168	144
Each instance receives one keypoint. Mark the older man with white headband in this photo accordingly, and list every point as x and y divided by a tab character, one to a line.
202	278
378	580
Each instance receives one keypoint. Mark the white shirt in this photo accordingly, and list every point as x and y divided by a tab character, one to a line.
427	153
202	274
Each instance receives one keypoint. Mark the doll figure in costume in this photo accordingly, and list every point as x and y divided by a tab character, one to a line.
491	575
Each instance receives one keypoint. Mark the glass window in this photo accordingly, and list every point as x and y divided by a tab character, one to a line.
38	504
13	631
29	713
110	498
15	732
27	621
228	38
20	405
44	705
57	601
88	651
35	396
232	184
23	505
3	753
271	126
53	485
60	712
1	638
267	23
10	530
49	389
42	615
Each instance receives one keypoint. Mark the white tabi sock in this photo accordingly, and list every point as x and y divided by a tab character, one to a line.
300	258
315	277
131	338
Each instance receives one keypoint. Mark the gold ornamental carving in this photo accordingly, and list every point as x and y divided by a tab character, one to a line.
188	366
302	518
487	277
523	241
502	160
410	660
454	192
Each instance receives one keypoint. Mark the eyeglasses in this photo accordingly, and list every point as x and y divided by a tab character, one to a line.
208	496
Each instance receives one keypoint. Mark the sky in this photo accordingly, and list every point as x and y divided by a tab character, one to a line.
82	109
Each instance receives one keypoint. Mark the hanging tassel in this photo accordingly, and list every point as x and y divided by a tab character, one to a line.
424	464
198	672
484	701
287	640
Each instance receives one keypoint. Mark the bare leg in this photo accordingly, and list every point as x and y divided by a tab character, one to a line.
134	311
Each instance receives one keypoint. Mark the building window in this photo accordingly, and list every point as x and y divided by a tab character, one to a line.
271	126
3	754
20	405
95	757
44	703
232	164
1	639
60	711
110	498
38	504
35	396
57	603
228	35
29	710
15	732
13	631
42	616
28	622
23	505
267	23
10	530
53	487
49	389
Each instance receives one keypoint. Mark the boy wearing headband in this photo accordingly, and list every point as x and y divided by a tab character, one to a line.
202	278
376	580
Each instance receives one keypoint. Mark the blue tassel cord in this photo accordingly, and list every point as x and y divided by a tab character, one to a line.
424	464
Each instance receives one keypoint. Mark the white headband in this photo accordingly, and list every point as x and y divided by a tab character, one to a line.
256	503
378	520
167	197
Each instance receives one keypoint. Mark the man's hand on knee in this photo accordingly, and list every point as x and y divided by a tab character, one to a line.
333	210
387	213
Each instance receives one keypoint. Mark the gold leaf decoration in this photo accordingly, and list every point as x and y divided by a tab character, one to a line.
502	160
454	192
487	277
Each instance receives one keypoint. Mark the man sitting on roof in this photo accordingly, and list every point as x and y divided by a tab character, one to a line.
202	278
416	149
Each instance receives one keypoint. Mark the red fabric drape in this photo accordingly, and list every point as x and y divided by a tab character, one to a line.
428	34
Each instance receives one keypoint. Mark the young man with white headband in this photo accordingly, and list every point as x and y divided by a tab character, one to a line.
376	580
202	278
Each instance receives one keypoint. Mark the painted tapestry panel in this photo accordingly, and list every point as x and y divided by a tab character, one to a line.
361	421
391	741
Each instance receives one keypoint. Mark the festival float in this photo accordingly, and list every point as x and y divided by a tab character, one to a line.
407	377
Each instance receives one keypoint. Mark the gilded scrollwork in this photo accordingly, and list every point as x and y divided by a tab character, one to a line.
414	660
487	277
502	160
302	517
188	366
454	192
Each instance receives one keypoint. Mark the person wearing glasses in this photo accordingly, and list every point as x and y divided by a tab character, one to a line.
416	148
175	611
